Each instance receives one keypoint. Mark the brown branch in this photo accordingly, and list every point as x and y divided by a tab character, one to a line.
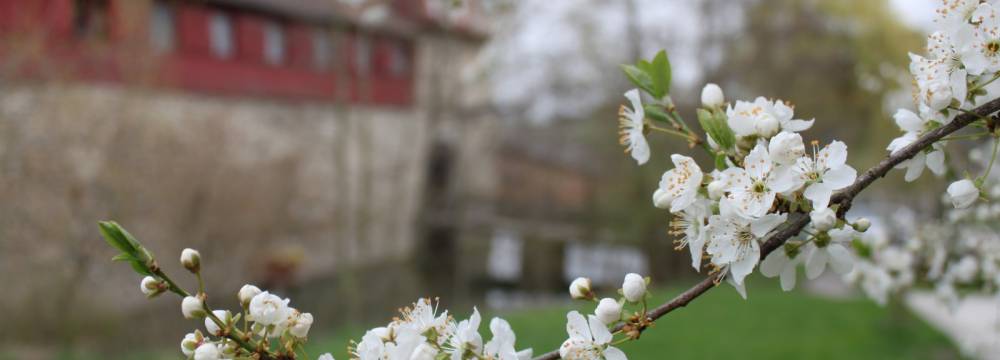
798	221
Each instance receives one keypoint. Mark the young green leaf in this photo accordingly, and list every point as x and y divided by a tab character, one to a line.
660	72
640	78
656	113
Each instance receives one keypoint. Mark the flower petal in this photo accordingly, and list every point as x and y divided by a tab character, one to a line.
763	225
840	177
744	266
935	162
576	326
840	259
819	194
774	263
788	278
758	163
599	330
613	353
816	263
915	166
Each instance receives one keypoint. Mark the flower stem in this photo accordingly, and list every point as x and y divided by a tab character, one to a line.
993	159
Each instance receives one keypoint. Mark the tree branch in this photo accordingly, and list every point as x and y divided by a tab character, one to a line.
798	221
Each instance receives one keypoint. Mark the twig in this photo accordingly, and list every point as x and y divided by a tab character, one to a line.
798	221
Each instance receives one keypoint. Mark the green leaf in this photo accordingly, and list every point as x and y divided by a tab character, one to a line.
123	257
661	74
714	124
140	268
640	78
113	235
656	113
720	161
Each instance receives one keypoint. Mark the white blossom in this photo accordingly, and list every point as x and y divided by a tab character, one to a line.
979	45
580	288
589	339
712	96
691	228
634	287
192	307
782	262
299	324
833	251
268	309
823	219
678	186
786	148
208	351
823	173
466	336
191	260
501	346
963	193
326	356
914	126
631	123
247	293
735	239
763	118
426	351
608	310
752	189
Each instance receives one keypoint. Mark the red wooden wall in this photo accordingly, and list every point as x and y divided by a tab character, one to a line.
192	66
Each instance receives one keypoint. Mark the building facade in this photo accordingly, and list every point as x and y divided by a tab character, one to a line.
293	142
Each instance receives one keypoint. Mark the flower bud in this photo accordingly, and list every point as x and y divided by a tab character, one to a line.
862	224
247	292
711	96
579	289
151	287
326	356
716	189
662	199
193	308
634	287
299	324
207	351
767	125
268	309
424	352
212	327
191	260
608	311
963	193
191	342
823	219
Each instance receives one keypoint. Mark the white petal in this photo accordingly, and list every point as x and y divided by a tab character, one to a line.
840	259
819	194
639	148
908	121
815	263
599	330
788	278
576	326
915	167
774	263
766	223
835	154
783	179
740	288
935	162
840	177
959	85
613	353
743	267
797	125
758	162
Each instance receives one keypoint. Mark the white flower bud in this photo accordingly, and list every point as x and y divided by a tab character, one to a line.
208	351
711	96
786	148
608	311
268	309
151	287
716	189
424	352
382	332
766	125
580	289
191	342
326	356
862	224
299	324
212	327
662	199
193	308
191	260
823	219
634	287
938	94
247	292
963	193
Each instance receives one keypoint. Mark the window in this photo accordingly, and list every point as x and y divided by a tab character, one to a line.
220	29
399	59
322	49
274	43
363	55
162	32
90	19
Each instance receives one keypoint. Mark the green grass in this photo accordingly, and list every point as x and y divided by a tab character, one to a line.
770	325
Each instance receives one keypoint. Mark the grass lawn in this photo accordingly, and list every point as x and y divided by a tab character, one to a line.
721	325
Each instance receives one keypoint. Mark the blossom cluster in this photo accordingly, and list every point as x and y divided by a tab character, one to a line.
423	334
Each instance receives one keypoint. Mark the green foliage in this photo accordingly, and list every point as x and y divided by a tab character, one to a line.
653	77
714	124
140	259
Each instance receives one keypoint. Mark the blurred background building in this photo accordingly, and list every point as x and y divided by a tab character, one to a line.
356	154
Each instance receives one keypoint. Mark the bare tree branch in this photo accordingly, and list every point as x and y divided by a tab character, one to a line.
844	198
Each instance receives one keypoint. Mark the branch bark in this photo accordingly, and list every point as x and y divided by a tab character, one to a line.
844	198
